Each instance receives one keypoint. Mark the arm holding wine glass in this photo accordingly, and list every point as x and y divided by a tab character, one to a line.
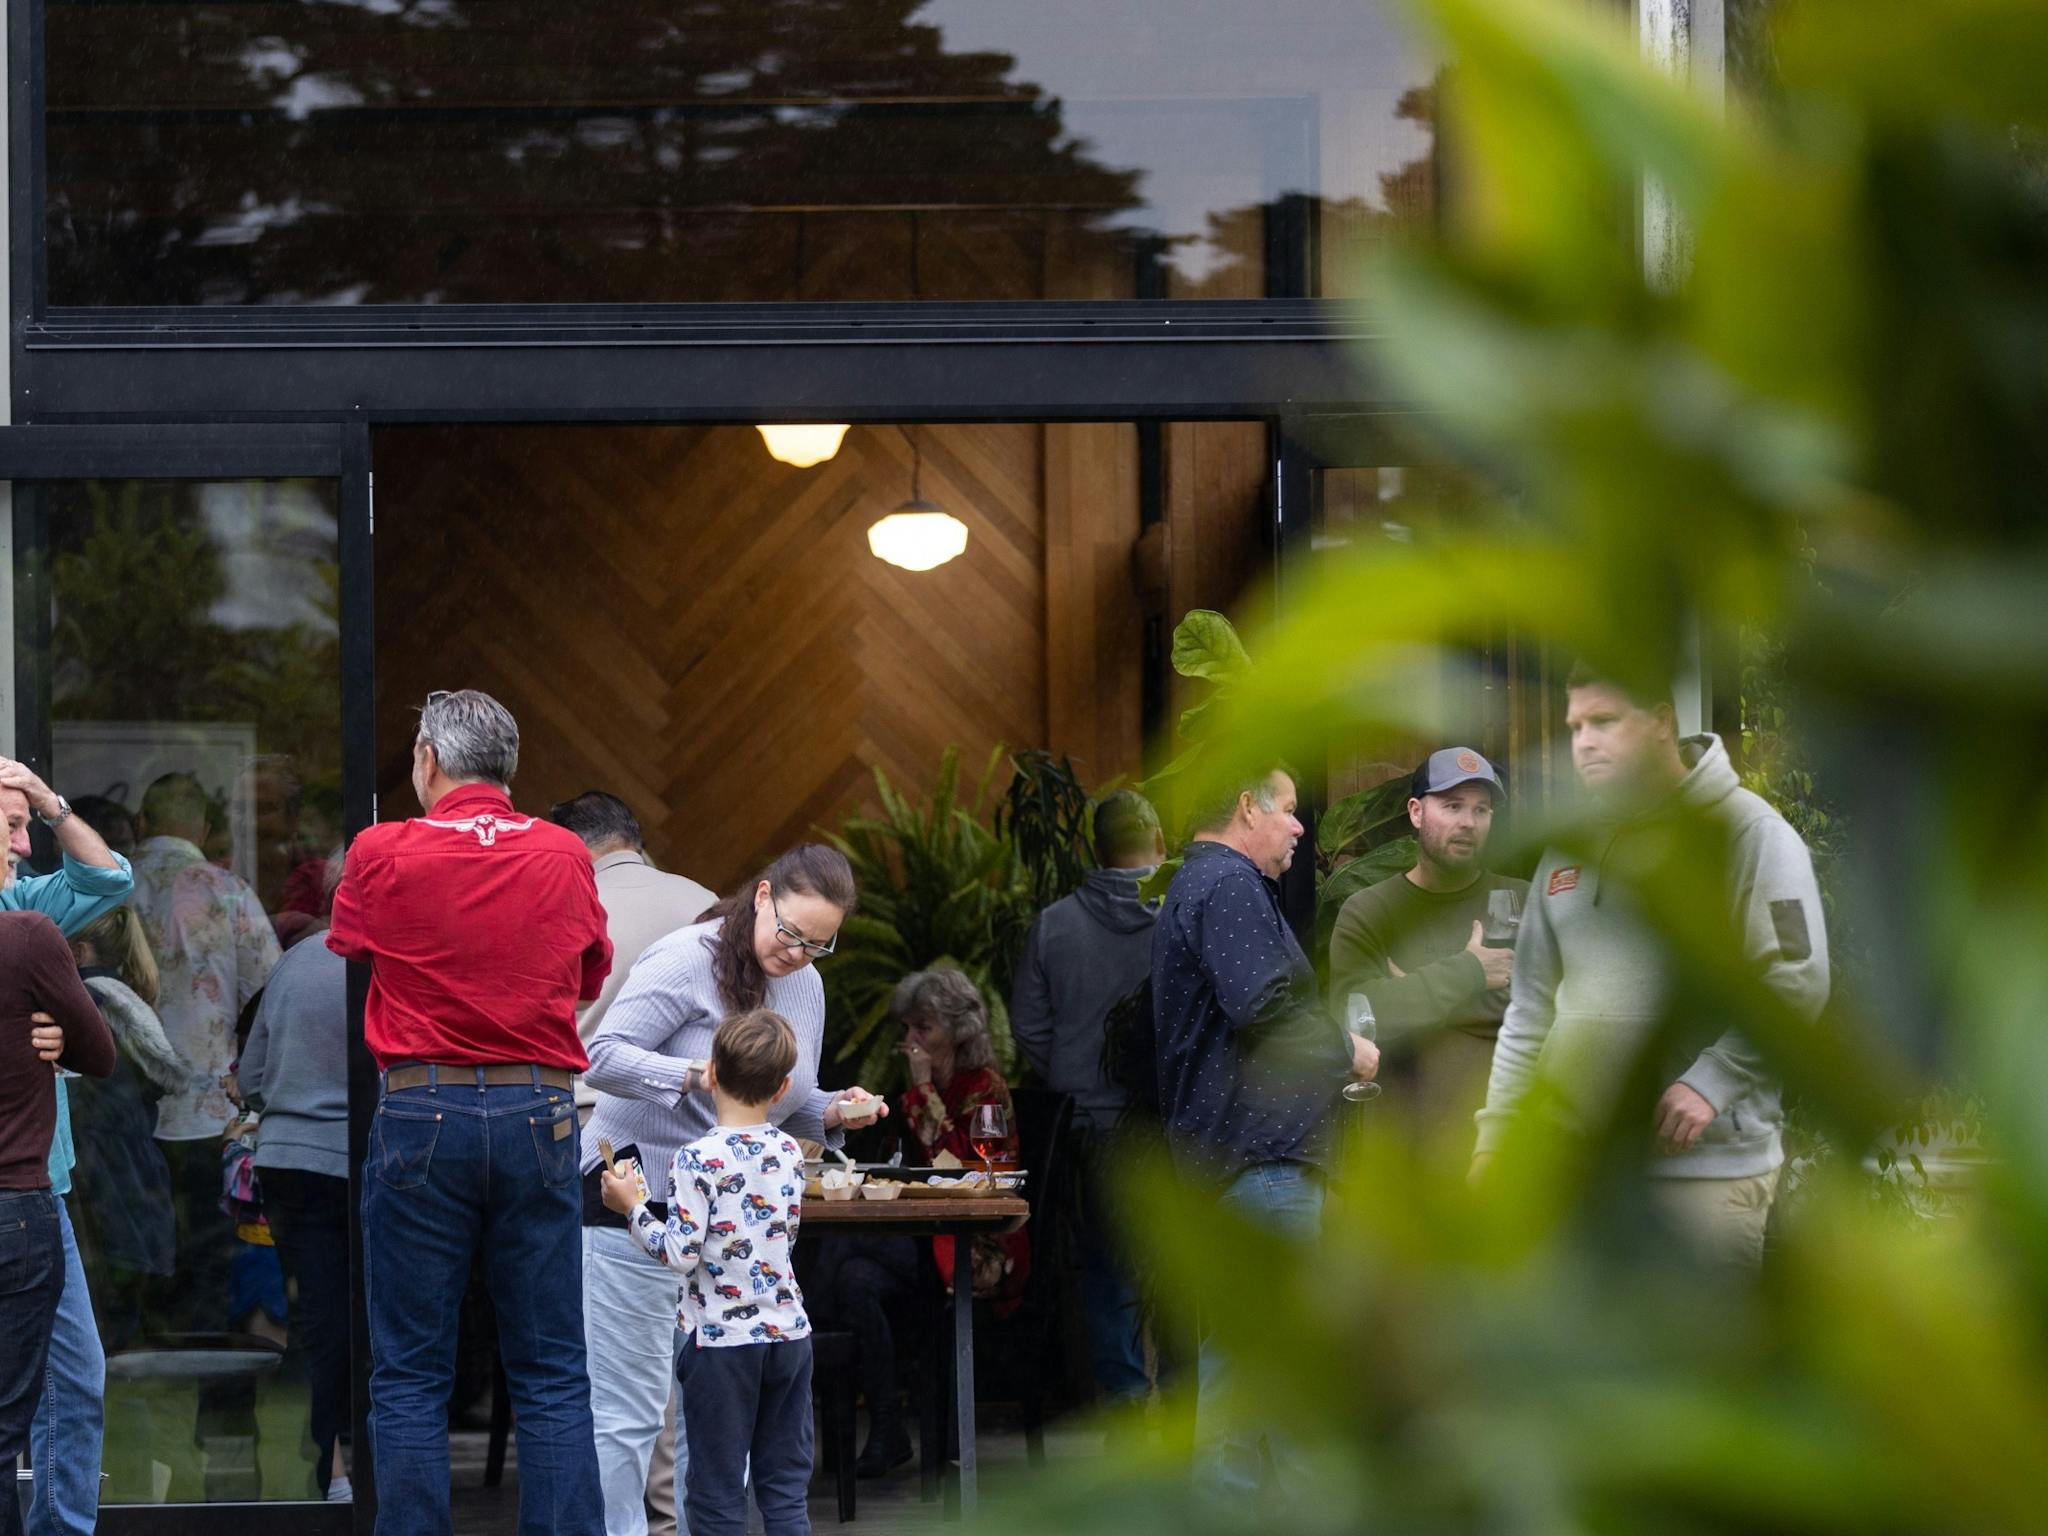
1365	1059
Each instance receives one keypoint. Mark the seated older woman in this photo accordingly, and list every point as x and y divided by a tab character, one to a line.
862	1276
953	1072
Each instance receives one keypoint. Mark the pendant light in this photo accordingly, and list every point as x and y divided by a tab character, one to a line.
919	535
803	444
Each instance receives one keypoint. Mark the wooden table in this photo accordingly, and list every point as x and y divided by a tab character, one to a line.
962	1219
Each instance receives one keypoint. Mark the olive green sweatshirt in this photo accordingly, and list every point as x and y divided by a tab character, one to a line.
1424	933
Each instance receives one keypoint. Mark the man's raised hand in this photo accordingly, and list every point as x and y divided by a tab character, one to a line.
1499	964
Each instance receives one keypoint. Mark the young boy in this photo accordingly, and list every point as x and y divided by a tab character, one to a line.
745	1366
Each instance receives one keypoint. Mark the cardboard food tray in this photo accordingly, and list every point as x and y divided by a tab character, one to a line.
946	1191
905	1174
929	1191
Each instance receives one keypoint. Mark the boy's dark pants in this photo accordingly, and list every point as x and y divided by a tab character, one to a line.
745	1400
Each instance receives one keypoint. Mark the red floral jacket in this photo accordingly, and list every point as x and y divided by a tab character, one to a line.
941	1120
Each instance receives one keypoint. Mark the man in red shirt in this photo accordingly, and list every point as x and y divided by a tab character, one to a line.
483	931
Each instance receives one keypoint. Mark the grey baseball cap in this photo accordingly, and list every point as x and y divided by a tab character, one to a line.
1451	767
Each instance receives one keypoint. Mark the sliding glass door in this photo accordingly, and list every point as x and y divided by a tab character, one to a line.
182	621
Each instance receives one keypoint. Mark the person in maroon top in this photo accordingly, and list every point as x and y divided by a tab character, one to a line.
483	931
39	984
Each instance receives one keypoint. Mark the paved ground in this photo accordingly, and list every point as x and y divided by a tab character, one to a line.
884	1507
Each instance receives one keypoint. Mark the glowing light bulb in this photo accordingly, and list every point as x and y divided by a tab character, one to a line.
918	536
803	444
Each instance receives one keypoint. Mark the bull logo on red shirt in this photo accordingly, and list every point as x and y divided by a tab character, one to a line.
484	828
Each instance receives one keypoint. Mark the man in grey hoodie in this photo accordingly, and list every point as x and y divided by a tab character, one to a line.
1590	984
1086	953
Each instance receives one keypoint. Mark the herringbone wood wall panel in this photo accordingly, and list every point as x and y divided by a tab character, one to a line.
677	618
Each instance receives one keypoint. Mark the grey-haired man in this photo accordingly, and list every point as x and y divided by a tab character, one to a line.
1250	1065
483	931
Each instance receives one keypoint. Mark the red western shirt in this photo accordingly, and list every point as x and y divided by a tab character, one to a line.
483	931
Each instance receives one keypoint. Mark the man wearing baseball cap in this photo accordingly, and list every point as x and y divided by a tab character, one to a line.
1417	944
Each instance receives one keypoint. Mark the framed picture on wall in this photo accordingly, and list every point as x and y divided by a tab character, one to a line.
120	759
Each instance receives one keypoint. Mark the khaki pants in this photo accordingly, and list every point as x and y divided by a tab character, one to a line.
661	1475
1724	1219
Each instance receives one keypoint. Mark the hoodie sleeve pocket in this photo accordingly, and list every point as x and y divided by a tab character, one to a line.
1795	937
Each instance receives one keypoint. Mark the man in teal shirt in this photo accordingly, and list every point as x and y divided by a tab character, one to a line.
70	1415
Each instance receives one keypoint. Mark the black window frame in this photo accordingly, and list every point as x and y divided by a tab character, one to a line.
30	455
1120	359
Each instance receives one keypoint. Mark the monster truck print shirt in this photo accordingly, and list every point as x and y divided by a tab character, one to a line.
734	1199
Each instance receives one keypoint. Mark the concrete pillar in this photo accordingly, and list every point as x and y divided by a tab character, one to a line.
6	416
1688	39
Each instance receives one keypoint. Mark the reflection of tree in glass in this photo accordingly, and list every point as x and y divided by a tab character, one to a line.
135	575
128	637
1249	239
510	150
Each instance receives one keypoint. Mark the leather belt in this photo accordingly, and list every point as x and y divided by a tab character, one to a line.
419	1074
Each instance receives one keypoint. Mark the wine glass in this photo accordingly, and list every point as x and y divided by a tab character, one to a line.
1503	919
990	1133
1358	1020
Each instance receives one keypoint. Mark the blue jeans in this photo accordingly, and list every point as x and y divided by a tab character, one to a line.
742	1401
1287	1200
1109	1298
31	1281
71	1415
454	1168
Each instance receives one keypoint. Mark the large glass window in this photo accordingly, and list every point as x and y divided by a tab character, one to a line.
177	676
549	151
1504	693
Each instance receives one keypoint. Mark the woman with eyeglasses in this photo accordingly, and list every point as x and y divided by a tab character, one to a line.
754	950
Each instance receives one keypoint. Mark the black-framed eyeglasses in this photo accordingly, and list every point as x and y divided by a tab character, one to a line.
437	696
791	939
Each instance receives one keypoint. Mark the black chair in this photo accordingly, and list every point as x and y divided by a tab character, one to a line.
1019	1347
834	1360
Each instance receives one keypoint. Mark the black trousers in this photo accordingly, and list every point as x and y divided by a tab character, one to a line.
308	1215
859	1279
742	1402
194	1299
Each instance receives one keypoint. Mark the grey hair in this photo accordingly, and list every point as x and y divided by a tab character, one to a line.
953	999
473	736
1215	815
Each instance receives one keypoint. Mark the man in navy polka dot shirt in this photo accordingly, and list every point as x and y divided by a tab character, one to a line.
1250	1063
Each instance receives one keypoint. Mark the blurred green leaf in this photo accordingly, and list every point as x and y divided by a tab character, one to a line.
1816	446
1205	645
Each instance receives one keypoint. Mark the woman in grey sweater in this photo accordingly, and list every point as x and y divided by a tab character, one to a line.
752	951
294	1073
